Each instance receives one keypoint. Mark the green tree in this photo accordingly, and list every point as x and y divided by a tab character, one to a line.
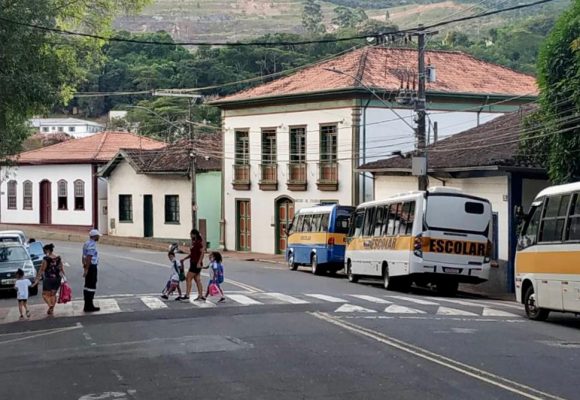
39	69
346	17
312	17
559	82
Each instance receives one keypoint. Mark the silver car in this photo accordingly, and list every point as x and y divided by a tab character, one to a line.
12	257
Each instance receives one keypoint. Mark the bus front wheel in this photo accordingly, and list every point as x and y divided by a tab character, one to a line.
534	312
315	267
291	264
351	277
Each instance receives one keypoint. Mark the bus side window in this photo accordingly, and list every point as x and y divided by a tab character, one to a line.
316	223
392	220
324	223
299	224
407	218
357	225
386	217
379	222
306	225
573	231
369	220
529	235
292	227
555	211
396	210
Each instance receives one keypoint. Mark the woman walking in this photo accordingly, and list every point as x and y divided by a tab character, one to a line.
52	271
195	257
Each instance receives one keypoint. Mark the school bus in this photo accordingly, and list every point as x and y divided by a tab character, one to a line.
439	238
317	238
547	267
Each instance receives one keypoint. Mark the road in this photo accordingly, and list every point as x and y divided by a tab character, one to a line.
281	334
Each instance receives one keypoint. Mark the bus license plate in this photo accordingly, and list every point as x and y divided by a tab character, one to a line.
8	281
452	270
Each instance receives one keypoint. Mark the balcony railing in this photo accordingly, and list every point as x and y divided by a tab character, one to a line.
328	176
268	177
297	178
241	179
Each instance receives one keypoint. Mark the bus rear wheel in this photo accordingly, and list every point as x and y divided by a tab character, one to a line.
351	277
316	270
534	312
291	264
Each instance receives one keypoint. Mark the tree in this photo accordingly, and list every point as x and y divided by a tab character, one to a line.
312	17
558	148
39	69
348	18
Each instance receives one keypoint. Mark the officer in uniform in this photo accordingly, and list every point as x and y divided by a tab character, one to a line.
90	262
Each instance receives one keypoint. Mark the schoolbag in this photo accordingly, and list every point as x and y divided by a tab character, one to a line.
52	270
220	273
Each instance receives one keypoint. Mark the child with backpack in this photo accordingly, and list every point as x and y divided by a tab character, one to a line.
22	286
217	276
174	278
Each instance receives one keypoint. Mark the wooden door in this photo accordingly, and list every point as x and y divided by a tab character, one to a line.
285	214
148	215
244	222
45	203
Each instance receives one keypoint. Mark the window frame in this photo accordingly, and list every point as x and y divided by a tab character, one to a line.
241	147
297	144
573	205
12	195
269	145
125	212
369	221
326	155
59	196
353	233
27	199
169	212
543	218
76	185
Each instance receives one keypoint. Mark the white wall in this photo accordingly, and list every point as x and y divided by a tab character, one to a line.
54	173
263	202
494	189
124	180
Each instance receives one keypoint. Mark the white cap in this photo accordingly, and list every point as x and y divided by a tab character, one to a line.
94	232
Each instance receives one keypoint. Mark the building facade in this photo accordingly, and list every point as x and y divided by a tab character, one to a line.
77	128
297	141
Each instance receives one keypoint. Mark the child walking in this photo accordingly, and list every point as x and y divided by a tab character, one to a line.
174	279
217	274
22	286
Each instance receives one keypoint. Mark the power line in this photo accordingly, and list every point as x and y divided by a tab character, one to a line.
262	43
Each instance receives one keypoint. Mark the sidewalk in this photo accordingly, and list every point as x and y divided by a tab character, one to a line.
80	235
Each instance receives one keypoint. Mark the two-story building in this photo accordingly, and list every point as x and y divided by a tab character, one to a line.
74	127
297	141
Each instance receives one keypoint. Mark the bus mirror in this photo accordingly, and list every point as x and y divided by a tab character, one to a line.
519	214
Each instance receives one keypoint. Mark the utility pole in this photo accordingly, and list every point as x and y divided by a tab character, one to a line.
420	108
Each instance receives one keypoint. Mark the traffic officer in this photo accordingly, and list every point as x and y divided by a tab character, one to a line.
90	262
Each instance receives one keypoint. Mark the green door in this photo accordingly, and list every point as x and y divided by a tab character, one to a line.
148	215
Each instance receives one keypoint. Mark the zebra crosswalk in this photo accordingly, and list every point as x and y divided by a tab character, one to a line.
343	304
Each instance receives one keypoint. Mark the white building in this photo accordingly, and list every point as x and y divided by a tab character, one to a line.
58	184
74	127
484	162
297	141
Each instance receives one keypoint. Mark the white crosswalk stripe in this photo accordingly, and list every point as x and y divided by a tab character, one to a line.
350	308
286	299
490	312
201	304
453	311
372	299
330	299
153	302
243	300
415	300
462	302
396	309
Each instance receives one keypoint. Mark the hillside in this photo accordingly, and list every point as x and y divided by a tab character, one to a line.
221	20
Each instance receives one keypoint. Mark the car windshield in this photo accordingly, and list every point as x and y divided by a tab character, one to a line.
11	254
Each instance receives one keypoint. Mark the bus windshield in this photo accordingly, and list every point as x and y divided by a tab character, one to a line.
342	224
457	213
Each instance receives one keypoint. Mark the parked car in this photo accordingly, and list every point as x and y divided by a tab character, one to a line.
13	236
12	257
36	254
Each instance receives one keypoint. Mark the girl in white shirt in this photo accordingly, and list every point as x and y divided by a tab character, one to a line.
21	287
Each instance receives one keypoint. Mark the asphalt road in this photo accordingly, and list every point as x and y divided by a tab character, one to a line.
282	335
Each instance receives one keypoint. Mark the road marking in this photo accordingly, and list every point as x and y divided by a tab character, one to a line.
330	299
508	304
349	308
202	304
490	312
414	300
243	300
46	333
153	302
396	309
466	369
462	302
454	311
108	306
287	299
372	299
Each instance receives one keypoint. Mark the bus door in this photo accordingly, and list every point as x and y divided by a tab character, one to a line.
458	229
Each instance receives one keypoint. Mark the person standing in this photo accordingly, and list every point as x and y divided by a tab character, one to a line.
195	257
90	263
51	271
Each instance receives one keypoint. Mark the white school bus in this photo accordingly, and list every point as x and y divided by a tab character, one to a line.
438	238
547	267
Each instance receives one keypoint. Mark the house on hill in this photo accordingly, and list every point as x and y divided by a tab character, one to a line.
58	184
297	141
77	128
158	202
482	161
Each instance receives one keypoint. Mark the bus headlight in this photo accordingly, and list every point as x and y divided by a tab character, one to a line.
418	246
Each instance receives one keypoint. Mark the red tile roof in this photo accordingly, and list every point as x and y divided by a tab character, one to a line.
383	68
98	148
